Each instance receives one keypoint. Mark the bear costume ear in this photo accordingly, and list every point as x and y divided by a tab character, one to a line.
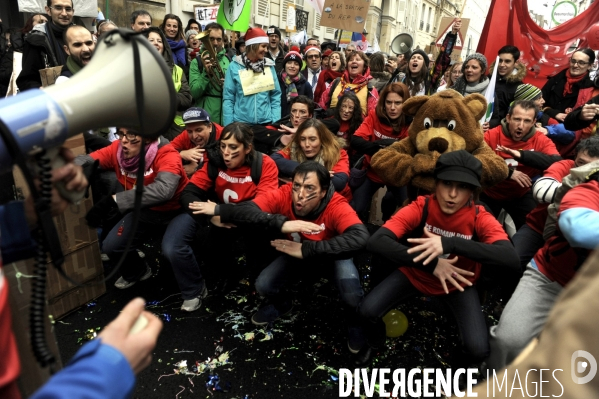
413	104
477	104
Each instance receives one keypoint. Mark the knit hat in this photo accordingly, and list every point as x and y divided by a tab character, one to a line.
255	36
189	33
527	92
309	48
327	53
480	58
423	54
293	56
273	30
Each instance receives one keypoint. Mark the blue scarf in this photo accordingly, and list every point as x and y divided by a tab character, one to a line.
179	51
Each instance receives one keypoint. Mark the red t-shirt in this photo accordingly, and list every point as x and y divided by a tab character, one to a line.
335	219
10	366
235	185
510	189
183	143
372	129
167	160
557	259
537	217
463	224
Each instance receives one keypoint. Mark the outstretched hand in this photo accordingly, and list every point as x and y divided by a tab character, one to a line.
431	247
203	208
446	271
300	226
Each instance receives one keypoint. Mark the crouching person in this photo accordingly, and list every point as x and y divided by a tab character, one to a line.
321	228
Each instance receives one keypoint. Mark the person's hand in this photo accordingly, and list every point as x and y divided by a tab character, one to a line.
300	226
541	129
215	220
287	130
203	208
331	173
521	178
190	168
589	112
193	155
70	174
206	60
446	271
561	116
431	247
290	248
286	139
457	25
485	126
514	153
137	348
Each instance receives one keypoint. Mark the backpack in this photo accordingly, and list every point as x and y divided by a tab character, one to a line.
255	173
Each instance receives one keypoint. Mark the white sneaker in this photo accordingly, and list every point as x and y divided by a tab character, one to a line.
122	284
191	305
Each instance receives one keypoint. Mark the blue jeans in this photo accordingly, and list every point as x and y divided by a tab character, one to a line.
273	279
465	307
527	242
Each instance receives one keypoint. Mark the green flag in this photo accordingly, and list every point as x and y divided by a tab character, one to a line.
234	14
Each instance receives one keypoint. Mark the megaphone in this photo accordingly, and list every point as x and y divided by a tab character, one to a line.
104	93
402	43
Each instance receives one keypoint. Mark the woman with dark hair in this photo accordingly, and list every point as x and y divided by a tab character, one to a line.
380	77
292	82
35	19
572	87
474	78
235	173
184	99
313	141
349	115
355	78
335	70
192	24
246	102
172	27
379	130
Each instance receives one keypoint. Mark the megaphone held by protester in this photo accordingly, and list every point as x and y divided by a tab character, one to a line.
126	84
402	43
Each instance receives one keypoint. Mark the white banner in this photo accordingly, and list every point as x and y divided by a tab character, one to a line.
490	94
291	18
83	8
205	15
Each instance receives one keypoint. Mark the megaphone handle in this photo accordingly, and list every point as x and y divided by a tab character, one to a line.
57	162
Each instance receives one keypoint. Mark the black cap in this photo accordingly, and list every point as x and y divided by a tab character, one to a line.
273	30
460	166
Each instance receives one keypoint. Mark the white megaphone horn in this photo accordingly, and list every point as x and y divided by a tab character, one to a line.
104	93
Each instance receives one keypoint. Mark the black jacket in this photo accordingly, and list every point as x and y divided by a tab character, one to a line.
573	121
505	89
279	61
303	89
555	101
343	246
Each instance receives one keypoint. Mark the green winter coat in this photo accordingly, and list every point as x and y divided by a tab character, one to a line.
204	93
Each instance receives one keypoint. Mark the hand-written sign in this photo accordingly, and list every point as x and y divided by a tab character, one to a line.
348	15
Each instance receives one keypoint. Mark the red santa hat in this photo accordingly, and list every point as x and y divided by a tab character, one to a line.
311	47
255	36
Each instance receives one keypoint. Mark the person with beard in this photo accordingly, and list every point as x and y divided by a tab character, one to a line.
234	173
292	82
44	46
79	46
322	233
517	132
326	77
275	50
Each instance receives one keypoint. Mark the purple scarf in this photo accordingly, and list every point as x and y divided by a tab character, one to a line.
179	50
131	165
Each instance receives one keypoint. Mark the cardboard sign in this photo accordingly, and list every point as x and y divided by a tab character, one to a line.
345	14
445	28
291	18
205	15
256	82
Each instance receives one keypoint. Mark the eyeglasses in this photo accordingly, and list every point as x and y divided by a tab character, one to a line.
314	56
61	8
578	62
130	136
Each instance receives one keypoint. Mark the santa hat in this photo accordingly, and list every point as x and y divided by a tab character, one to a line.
295	48
293	56
255	36
312	48
327	53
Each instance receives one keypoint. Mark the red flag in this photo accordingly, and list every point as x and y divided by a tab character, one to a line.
543	51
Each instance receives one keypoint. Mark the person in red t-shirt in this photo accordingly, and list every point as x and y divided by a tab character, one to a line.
548	272
164	180
198	134
448	238
379	130
230	173
314	141
517	132
322	231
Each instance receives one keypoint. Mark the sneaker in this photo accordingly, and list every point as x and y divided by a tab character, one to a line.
122	284
356	339
191	305
270	313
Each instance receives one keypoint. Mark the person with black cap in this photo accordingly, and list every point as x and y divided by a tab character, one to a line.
275	50
439	243
418	77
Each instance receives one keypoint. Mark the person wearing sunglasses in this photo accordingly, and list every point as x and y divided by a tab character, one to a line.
570	88
44	37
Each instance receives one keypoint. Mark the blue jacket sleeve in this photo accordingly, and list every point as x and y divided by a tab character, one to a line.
229	95
275	98
580	226
96	372
286	166
558	133
16	242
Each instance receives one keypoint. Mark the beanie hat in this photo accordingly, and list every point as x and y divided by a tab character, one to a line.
255	36
293	56
527	92
273	30
423	54
189	33
480	58
327	53
311	47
